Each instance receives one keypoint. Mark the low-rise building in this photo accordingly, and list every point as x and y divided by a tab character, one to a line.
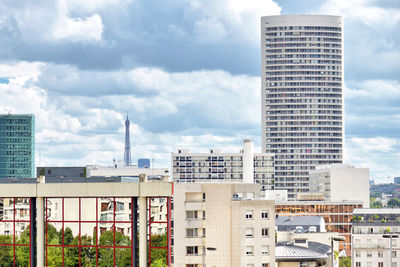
372	229
222	225
338	182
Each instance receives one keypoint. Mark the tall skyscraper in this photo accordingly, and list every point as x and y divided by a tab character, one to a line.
302	95
127	152
17	146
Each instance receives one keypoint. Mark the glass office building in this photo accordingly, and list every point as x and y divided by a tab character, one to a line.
17	146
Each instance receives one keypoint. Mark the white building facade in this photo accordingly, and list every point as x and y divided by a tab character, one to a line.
217	166
302	95
340	182
370	237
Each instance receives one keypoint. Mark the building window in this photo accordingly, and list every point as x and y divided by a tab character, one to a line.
192	250
394	254
264	232
358	264
358	254
264	214
303	264
192	265
380	264
204	196
191	232
249	232
249	250
264	250
265	265
369	254
191	214
249	214
380	254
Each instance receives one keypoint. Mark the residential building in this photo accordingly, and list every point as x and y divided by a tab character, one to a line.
222	225
337	215
396	180
302	95
338	182
371	233
243	167
17	146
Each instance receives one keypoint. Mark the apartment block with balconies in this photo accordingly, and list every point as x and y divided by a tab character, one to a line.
222	225
302	95
372	232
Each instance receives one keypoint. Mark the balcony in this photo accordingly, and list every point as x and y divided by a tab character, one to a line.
194	223
194	205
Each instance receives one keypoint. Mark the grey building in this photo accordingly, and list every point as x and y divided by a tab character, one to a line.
302	95
300	223
61	172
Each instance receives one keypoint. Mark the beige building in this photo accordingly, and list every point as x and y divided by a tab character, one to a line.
222	225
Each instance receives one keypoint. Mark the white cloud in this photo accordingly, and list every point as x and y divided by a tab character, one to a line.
77	29
374	89
379	144
379	154
50	21
367	11
210	107
236	19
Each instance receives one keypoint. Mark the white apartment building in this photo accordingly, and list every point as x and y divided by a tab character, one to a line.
302	95
339	182
222	225
245	166
371	237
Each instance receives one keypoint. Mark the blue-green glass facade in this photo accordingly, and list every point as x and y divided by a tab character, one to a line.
17	145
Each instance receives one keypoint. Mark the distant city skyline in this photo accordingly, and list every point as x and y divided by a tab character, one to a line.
189	74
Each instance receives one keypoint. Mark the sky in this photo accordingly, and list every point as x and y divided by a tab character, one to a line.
188	73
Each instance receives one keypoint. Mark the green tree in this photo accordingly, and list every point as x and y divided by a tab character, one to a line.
158	263
394	203
375	204
22	253
345	262
6	257
159	256
106	255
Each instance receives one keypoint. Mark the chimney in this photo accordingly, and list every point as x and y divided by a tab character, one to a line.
248	161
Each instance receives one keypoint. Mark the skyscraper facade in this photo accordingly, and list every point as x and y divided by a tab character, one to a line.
302	95
17	146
